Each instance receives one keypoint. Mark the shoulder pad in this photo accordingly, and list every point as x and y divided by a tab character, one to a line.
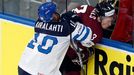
71	16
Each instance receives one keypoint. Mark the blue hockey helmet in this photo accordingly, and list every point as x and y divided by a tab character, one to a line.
46	10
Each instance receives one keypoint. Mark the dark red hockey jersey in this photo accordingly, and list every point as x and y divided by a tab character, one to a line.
89	18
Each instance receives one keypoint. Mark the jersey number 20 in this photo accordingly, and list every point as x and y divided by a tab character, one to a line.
47	44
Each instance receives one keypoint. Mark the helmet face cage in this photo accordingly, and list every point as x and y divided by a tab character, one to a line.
105	9
46	10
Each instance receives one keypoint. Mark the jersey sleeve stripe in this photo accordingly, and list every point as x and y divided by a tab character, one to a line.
83	30
85	36
82	35
80	32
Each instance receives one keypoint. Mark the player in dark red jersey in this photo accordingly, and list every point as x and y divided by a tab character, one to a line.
97	18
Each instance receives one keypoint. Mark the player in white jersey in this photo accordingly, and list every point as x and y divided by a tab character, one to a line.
45	52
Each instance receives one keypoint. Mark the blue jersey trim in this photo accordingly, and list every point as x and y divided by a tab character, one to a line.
76	36
86	35
18	19
117	44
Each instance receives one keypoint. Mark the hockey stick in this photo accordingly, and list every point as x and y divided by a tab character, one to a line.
2	7
77	50
88	2
115	3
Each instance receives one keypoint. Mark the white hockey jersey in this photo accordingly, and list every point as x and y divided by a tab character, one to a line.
45	52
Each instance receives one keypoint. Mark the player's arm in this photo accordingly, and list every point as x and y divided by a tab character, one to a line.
71	17
83	34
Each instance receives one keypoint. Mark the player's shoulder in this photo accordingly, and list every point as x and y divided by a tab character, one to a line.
90	8
85	8
68	14
71	16
97	32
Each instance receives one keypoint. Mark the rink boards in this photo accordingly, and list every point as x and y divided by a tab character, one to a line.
109	60
14	37
111	57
